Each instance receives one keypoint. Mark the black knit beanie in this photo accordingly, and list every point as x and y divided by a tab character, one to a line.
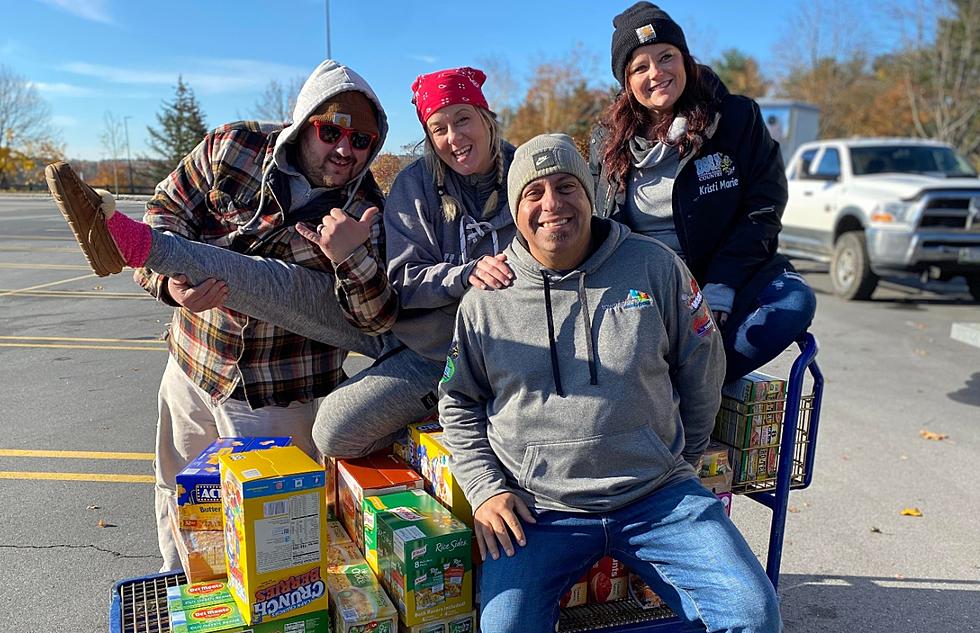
643	23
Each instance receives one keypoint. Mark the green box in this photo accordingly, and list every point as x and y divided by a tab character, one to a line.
226	618
465	623
417	500
755	387
426	563
197	595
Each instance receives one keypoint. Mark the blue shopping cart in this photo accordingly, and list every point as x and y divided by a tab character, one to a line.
139	605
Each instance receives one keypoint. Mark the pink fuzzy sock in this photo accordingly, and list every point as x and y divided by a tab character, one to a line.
132	238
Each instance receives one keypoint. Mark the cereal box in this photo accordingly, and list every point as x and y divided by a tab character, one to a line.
369	476
426	564
465	623
413	442
275	532
224	617
755	387
577	595
201	552
434	458
608	580
716	471
197	595
358	603
726	500
412	499
198	485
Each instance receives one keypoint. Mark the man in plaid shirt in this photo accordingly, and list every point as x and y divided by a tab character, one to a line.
246	187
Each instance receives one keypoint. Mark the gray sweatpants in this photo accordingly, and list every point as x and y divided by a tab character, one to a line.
364	413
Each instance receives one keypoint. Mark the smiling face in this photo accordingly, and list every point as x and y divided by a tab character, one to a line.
330	164
554	216
461	139
656	78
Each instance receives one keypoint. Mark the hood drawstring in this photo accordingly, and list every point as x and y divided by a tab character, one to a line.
593	378
471	231
551	335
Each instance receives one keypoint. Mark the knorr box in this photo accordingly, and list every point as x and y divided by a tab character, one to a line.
369	476
426	564
465	623
755	387
416	500
435	458
198	484
275	533
358	604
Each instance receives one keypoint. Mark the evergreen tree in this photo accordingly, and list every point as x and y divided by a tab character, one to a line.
181	128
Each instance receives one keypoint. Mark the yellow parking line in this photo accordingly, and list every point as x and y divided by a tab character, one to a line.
112	347
23	452
81	294
53	283
44	266
99	477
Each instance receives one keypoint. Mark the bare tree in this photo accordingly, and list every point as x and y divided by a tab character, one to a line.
113	141
25	126
818	31
278	100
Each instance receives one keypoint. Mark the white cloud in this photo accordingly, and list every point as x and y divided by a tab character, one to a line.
426	59
64	120
61	89
211	76
91	10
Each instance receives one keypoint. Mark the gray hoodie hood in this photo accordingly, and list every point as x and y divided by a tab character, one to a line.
328	80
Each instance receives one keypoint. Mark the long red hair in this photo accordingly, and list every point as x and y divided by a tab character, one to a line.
625	118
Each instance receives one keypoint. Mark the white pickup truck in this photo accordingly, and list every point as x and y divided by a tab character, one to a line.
883	207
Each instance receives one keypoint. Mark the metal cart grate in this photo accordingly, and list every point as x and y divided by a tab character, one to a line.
612	615
140	605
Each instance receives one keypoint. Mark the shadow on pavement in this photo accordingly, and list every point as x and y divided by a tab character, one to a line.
870	604
968	393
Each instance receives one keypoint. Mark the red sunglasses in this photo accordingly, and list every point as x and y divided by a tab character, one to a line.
332	133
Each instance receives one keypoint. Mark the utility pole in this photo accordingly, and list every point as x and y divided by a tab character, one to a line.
129	159
326	11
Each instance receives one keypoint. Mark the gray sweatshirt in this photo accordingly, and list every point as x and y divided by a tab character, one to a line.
587	390
430	259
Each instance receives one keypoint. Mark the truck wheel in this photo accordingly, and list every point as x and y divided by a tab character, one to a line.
850	271
973	283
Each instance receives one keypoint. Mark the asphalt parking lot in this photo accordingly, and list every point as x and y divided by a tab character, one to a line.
81	358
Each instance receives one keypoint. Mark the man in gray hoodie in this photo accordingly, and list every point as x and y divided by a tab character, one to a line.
577	403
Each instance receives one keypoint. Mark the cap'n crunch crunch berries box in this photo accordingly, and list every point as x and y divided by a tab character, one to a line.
275	533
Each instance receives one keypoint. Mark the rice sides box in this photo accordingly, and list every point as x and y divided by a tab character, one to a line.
369	476
465	623
755	387
373	506
358	604
426	564
199	486
275	533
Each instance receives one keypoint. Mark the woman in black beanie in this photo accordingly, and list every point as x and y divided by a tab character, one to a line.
678	158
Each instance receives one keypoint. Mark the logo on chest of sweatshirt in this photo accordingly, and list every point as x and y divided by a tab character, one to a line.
714	167
635	300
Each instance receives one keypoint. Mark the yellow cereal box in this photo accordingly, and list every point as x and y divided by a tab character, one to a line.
275	533
434	458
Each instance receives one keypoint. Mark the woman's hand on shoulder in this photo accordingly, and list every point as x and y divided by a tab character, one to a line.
491	273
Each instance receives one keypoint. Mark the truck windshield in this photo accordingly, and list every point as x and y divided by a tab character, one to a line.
910	159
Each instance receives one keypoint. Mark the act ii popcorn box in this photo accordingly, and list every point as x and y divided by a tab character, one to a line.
370	476
358	604
426	564
275	533
198	484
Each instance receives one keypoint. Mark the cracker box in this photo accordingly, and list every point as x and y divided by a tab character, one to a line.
201	552
426	564
417	500
608	581
358	604
642	594
198	484
275	532
434	458
754	388
577	595
224	617
369	476
197	595
465	623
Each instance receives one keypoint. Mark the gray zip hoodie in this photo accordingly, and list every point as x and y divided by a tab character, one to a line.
430	259
586	390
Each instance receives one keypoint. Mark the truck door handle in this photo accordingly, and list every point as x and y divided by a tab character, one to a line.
807	193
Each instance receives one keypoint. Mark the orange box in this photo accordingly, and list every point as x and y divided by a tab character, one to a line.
370	476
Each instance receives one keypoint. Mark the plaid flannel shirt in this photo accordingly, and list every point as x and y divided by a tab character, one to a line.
214	191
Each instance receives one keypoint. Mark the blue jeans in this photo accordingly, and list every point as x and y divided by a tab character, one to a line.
779	315
677	539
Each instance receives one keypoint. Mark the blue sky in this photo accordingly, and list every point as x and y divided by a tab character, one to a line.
90	56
